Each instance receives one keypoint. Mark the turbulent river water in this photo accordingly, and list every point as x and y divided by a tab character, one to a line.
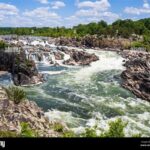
92	95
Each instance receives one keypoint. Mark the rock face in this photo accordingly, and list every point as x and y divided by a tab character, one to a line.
136	77
13	115
23	71
80	58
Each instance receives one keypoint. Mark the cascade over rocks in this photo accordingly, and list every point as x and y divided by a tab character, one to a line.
136	77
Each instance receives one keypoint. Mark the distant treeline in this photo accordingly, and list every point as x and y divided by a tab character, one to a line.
120	28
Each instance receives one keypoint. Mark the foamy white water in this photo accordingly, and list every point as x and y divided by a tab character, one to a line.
88	96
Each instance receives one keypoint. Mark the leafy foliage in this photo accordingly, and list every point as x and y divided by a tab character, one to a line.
58	127
116	129
26	131
68	134
89	132
15	94
2	45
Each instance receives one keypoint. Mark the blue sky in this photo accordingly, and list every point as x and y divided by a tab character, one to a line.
40	13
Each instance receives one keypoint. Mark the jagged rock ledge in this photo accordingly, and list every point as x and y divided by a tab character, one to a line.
136	77
12	115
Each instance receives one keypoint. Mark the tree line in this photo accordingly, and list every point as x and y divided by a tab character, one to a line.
120	28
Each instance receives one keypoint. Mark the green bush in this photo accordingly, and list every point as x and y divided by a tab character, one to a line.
89	132
58	127
69	134
15	94
137	44
2	45
26	131
28	63
116	129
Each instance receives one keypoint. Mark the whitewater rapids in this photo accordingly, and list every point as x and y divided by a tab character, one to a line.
92	95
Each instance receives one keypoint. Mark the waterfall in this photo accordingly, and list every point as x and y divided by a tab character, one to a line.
45	58
52	58
27	54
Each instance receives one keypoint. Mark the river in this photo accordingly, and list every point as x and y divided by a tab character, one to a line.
91	95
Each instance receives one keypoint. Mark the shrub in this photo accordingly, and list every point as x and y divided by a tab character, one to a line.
116	129
15	94
28	63
58	127
69	134
26	131
2	45
89	132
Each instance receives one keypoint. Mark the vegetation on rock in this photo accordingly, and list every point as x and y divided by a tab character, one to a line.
2	45
15	94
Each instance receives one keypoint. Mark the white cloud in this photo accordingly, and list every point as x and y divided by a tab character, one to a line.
98	4
89	11
43	1
138	11
57	4
7	9
146	4
41	12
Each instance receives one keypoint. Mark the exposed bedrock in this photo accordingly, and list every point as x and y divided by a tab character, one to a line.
136	77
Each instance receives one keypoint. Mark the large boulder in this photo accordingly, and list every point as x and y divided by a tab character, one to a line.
80	58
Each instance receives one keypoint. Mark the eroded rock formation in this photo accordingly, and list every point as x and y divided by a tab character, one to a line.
136	77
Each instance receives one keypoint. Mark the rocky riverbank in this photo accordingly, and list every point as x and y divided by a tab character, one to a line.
12	115
136	77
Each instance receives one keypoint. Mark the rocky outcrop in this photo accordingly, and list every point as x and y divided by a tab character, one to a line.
23	71
12	115
80	58
58	55
95	42
136	77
